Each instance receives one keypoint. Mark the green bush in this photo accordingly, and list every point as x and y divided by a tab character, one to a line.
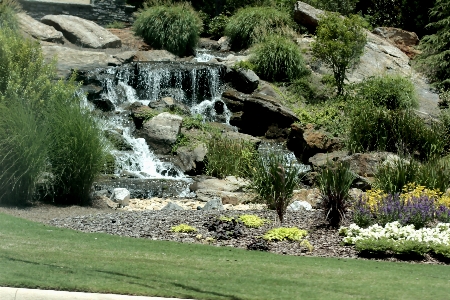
277	58
216	27
339	44
8	10
116	24
175	28
184	228
334	182
252	221
376	129
227	157
284	233
274	179
251	24
435	174
389	91
391	177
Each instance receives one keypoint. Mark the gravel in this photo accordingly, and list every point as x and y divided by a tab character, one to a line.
156	225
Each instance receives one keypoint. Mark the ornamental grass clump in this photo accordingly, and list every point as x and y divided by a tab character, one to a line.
334	182
277	58
274	179
251	24
175	27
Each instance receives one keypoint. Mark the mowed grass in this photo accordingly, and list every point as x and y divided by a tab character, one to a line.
34	255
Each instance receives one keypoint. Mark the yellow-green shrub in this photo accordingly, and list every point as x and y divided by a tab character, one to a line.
252	221
285	233
183	228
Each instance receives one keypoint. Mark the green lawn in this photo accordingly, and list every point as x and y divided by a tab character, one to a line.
34	255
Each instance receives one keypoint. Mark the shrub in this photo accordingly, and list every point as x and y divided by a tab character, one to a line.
389	91
376	129
393	176
334	182
184	228
274	179
216	27
284	233
8	10
435	175
252	221
175	28
229	157
116	24
249	25
339	44
278	59
224	229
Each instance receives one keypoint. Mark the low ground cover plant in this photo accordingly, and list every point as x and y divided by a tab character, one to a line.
393	237
251	24
277	58
175	27
183	228
252	221
283	233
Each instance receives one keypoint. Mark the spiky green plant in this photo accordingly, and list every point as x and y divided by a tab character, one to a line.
251	24
175	28
274	179
277	58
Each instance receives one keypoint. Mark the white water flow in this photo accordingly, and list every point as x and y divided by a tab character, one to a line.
196	88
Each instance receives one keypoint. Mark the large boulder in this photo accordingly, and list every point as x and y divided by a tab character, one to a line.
254	114
402	39
230	189
121	196
154	55
192	161
307	15
161	132
83	32
306	141
38	30
243	80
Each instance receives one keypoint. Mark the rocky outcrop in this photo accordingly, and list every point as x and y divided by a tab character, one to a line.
161	132
306	141
82	32
402	39
231	189
192	161
307	15
243	80
154	55
38	30
254	114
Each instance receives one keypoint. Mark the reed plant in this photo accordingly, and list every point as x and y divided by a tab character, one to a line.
251	24
227	157
175	27
392	176
274	179
334	182
277	58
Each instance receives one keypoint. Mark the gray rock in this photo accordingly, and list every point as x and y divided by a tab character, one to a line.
103	104
118	140
307	15
125	57
299	205
243	80
121	196
38	30
83	32
237	136
154	55
214	204
172	206
68	59
161	132
192	160
224	43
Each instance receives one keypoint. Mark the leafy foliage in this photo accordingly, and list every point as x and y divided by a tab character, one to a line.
274	179
277	58
392	176
339	44
435	57
334	182
184	228
224	229
227	157
389	91
252	221
285	233
251	24
175	28
216	27
8	10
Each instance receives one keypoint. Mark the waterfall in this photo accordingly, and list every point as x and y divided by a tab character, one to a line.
198	86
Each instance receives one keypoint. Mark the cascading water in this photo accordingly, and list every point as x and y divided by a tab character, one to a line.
197	86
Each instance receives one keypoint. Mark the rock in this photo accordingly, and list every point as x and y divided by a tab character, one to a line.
306	141
320	160
163	103
236	136
140	113
224	43
161	132
299	205
83	32
125	57
68	59
104	104
154	55
93	92
118	140
312	196
402	39
229	184
243	80
121	196
38	30
206	43
253	114
214	204
366	164
192	160
230	200
172	206
307	15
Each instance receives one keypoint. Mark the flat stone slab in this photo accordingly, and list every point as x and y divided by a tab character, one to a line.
38	30
83	32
